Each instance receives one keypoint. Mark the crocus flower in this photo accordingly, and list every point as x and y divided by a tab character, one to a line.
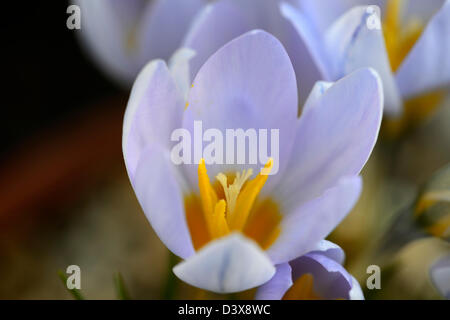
316	275
122	36
409	48
232	229
440	276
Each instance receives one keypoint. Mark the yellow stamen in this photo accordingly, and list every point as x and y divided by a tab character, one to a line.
196	221
232	191
207	195
220	227
263	224
399	38
247	197
220	216
223	208
441	228
429	199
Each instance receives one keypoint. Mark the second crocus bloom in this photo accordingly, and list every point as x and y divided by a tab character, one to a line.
316	275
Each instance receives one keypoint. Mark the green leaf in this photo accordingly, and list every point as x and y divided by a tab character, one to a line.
121	290
76	294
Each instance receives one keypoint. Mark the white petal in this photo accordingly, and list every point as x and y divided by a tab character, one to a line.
179	65
427	67
316	93
247	84
331	250
276	287
354	41
356	292
159	188
231	264
323	13
334	139
312	222
440	275
154	110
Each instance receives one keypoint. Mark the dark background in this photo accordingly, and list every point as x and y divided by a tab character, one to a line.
46	76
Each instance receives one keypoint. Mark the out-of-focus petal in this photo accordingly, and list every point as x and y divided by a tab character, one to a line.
427	67
224	20
154	110
440	276
159	185
419	9
354	41
164	25
334	139
247	84
217	24
231	264
313	221
323	13
307	51
331	250
105	29
276	287
331	280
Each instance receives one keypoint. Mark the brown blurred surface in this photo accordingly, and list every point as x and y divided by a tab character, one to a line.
106	233
65	199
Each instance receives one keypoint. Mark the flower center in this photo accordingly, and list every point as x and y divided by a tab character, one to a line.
227	206
400	37
302	289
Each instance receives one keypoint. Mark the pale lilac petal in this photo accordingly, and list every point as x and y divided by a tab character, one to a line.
330	250
164	25
224	20
247	84
306	50
422	10
217	24
307	225
154	110
440	276
331	280
276	287
179	65
427	67
334	139
316	93
323	13
231	264
354	41
159	187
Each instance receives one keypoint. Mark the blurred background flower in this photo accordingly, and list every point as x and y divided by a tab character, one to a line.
122	36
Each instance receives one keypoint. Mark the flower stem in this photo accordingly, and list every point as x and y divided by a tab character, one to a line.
171	285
